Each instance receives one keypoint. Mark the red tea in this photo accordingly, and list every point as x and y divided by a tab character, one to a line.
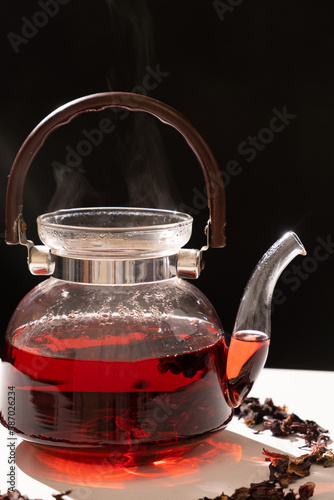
128	411
247	355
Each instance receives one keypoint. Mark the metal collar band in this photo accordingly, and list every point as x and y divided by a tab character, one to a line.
115	272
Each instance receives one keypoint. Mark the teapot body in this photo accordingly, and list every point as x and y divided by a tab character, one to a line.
115	356
131	373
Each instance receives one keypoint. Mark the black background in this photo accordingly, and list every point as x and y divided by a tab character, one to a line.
226	66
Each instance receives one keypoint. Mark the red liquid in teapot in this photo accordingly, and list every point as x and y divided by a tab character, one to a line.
127	412
248	352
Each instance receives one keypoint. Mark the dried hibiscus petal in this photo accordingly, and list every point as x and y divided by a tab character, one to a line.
16	495
326	458
268	490
279	421
286	469
306	490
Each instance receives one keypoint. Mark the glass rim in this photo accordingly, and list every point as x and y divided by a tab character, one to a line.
184	219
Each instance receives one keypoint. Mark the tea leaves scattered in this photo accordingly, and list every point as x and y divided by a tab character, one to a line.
283	469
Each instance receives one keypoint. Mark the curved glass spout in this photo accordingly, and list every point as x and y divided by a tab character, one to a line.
255	306
251	334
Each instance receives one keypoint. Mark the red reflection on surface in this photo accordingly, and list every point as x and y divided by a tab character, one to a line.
324	488
38	463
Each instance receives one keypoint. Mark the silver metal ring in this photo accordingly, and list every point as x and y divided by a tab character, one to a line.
110	272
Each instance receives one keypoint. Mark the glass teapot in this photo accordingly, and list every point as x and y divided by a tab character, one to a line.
115	356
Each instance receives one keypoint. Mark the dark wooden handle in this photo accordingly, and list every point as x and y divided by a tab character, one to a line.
132	102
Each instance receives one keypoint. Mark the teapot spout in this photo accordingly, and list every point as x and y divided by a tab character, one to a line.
250	339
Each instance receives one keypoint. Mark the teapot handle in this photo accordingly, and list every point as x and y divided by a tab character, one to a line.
98	102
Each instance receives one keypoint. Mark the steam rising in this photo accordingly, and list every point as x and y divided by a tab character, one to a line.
138	150
71	188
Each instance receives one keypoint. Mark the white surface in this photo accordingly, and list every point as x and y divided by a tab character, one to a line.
231	459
